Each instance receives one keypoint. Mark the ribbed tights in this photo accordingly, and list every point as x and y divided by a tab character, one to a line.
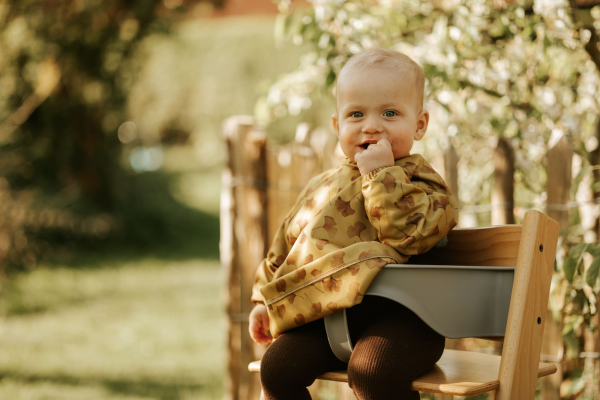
392	347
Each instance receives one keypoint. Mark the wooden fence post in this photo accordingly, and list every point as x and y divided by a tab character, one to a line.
504	187
304	161
243	245
558	187
451	169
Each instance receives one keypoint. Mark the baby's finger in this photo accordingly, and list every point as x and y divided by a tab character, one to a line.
384	143
357	156
253	329
264	323
256	336
263	337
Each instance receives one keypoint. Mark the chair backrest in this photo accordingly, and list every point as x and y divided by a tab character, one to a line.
496	246
531	249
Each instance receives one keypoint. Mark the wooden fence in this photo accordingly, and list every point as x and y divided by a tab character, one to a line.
261	183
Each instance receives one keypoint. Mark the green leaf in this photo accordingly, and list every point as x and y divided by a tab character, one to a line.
430	70
547	42
573	260
567	328
594	249
569	268
573	386
330	78
572	323
572	344
444	105
592	273
584	171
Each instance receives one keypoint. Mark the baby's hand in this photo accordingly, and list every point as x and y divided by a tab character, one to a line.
259	325
375	156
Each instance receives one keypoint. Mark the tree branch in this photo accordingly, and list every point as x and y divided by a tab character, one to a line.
592	45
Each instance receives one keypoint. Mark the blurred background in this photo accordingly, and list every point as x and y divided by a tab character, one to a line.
110	169
111	155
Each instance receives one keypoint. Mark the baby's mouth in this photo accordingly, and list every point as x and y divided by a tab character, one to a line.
365	145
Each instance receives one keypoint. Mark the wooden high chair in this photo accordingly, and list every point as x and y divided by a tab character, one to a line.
506	302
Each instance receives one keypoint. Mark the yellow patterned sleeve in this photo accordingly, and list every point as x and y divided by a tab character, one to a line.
409	205
279	250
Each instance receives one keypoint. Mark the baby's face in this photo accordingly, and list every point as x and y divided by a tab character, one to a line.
376	104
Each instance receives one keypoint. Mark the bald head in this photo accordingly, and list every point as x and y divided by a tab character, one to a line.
388	61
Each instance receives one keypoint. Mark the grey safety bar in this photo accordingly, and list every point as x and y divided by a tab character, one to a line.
455	301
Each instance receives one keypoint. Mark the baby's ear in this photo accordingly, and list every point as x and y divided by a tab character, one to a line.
422	123
336	125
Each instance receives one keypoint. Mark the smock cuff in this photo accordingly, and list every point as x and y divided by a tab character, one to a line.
371	175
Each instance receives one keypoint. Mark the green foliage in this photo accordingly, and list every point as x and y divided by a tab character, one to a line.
573	260
582	174
175	85
67	72
591	275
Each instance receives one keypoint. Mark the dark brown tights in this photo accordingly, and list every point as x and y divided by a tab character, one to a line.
392	347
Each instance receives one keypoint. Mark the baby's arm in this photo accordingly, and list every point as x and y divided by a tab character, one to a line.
259	317
278	252
410	206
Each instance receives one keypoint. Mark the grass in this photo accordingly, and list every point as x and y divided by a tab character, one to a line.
144	329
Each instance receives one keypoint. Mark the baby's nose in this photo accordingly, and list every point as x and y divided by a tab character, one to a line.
372	125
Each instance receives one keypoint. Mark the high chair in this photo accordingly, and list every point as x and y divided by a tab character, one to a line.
491	283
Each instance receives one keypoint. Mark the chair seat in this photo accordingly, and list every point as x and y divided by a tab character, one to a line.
460	373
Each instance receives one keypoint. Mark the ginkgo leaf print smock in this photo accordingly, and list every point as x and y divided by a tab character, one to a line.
342	230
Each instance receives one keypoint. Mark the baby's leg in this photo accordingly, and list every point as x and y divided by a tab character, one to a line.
393	348
294	360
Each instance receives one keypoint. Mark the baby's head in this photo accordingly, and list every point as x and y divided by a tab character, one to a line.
380	96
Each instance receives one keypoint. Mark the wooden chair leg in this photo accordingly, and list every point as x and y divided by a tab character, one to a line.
492	395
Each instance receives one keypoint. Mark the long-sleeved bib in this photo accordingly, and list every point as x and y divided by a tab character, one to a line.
342	230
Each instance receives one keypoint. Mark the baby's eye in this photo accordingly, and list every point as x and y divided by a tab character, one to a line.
356	114
390	113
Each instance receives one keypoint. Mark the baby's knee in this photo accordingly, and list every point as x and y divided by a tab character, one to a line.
378	382
366	374
280	371
272	367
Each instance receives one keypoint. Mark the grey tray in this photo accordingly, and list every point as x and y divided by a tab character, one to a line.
456	301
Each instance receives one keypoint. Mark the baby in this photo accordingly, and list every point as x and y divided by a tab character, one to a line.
381	206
